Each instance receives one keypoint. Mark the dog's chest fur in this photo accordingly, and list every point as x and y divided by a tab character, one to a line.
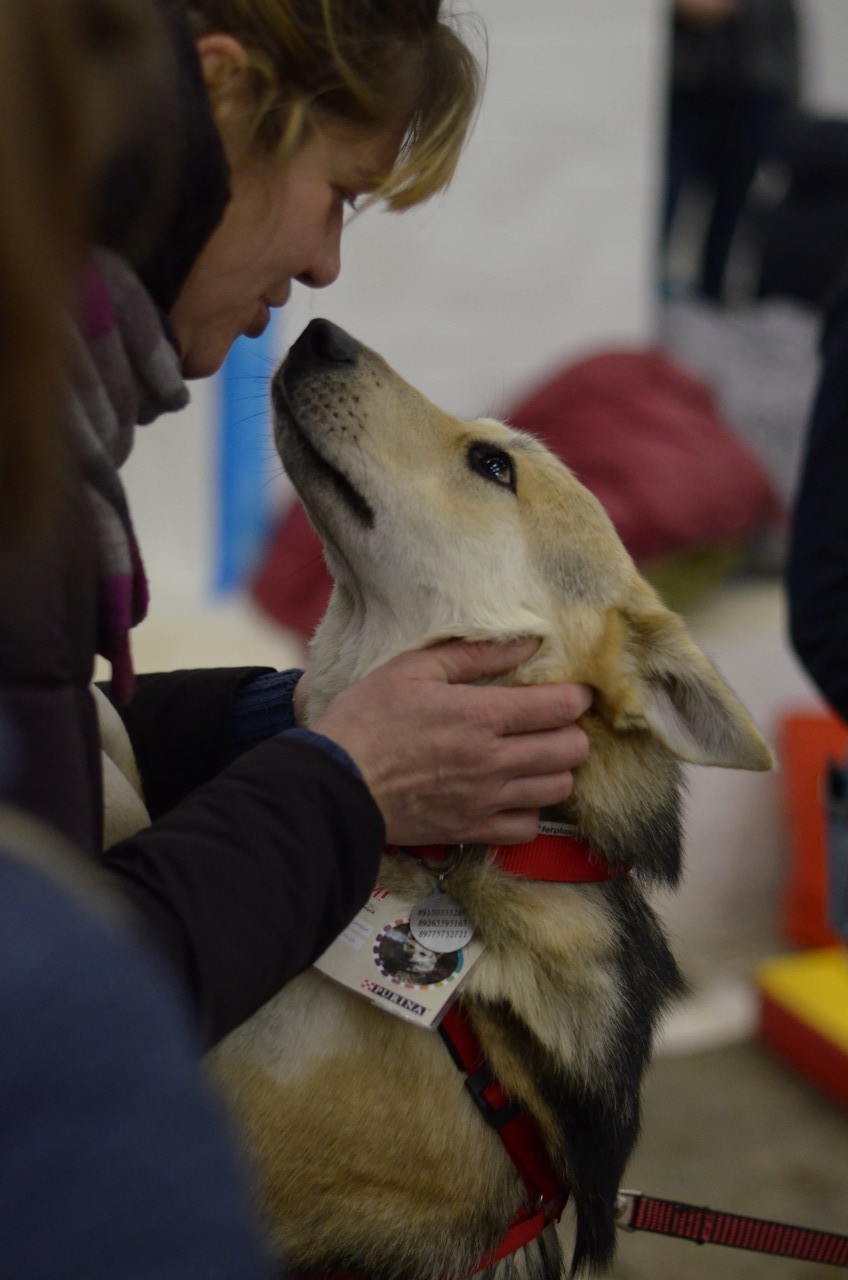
340	1097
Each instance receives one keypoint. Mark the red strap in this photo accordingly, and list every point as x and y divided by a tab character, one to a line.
527	1224
557	858
709	1226
518	1133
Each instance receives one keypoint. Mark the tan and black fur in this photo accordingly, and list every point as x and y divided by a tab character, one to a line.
372	1157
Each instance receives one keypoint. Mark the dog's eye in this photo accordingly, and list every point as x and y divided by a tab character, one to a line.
492	464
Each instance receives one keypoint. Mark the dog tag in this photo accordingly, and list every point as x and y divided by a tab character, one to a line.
440	923
378	957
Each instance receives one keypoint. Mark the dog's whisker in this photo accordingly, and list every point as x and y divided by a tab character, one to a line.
250	417
261	357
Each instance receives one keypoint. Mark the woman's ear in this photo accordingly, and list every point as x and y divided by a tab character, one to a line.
226	74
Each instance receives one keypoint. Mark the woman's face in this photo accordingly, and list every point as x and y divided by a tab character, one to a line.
283	223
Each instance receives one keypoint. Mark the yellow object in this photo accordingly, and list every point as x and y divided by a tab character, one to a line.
804	1014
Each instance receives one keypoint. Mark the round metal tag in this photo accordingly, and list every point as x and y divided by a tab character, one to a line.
440	923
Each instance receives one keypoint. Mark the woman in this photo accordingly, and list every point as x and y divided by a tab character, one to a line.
113	1159
265	838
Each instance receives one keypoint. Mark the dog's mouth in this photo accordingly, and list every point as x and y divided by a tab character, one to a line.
315	461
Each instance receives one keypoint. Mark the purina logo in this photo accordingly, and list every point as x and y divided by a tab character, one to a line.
394	997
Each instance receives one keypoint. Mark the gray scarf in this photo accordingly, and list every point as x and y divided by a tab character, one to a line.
124	373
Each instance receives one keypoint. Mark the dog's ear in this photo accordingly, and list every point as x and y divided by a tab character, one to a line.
662	682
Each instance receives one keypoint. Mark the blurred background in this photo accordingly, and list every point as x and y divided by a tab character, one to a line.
563	281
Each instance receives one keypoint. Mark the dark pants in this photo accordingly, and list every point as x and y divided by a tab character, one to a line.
718	142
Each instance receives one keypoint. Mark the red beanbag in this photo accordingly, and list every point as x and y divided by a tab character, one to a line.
643	434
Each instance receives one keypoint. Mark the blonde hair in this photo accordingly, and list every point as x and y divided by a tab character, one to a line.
366	62
63	67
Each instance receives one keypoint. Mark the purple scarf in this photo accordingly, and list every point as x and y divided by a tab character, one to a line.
125	373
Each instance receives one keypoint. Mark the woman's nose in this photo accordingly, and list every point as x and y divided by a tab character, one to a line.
326	262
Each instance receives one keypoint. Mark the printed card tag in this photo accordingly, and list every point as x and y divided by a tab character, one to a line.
379	957
440	923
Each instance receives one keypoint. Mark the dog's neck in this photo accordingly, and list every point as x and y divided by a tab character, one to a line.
639	827
354	639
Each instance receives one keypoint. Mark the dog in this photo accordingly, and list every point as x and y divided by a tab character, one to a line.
372	1157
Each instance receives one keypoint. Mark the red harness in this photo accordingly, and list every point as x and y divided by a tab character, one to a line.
518	1132
556	858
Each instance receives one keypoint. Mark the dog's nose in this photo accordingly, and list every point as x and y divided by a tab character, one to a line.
330	343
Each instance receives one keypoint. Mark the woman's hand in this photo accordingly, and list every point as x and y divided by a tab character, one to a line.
449	762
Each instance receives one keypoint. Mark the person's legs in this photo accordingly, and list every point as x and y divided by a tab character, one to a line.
746	127
686	137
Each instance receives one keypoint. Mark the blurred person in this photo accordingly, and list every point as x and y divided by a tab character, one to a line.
805	234
114	1160
732	85
62	69
265	838
817	578
817	561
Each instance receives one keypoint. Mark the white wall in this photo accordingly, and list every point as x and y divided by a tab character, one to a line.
540	248
825	71
171	486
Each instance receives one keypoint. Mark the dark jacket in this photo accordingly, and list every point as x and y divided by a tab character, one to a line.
250	869
817	569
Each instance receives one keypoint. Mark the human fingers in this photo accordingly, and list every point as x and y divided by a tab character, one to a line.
540	791
534	755
464	661
535	708
481	800
510	709
533	772
518	826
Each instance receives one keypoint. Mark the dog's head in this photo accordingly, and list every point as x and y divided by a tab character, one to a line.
437	527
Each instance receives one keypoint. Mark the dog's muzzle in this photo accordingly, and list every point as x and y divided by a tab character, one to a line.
322	345
321	355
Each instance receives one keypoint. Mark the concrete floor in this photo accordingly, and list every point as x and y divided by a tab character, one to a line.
734	1129
727	1125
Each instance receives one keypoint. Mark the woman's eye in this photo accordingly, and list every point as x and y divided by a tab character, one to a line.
492	464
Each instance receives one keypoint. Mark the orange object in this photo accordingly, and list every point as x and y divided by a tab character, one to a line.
807	739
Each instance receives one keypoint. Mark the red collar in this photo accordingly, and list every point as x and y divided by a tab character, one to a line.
555	855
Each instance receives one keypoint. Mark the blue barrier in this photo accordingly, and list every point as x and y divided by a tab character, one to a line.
245	457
